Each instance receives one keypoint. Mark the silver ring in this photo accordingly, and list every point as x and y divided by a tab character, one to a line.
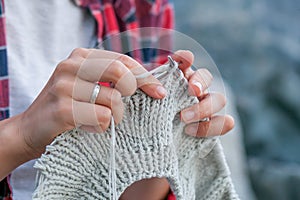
206	119
95	93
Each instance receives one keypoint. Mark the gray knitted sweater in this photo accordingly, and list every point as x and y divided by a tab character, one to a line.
149	143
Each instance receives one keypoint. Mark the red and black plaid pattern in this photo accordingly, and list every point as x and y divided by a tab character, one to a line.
116	16
5	190
4	100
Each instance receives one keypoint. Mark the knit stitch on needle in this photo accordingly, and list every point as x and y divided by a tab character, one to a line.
149	142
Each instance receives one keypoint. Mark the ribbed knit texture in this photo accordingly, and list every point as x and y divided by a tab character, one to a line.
149	143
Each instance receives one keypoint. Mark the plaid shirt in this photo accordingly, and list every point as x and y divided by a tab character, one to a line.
3	67
112	17
116	16
5	190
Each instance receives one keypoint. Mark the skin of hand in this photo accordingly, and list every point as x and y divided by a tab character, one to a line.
209	103
64	103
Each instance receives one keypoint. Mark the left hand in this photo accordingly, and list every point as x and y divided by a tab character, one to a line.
209	103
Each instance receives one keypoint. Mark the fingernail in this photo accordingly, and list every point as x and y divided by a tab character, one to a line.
188	115
191	130
161	91
199	86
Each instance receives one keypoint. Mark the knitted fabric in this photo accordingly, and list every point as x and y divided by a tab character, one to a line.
149	143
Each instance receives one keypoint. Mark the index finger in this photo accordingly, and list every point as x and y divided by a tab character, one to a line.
150	85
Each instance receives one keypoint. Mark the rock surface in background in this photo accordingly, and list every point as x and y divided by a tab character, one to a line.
256	46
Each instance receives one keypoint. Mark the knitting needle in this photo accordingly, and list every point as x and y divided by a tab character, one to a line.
171	61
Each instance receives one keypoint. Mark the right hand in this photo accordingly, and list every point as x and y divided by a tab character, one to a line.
64	102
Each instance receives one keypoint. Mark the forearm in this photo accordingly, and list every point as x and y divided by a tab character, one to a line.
13	150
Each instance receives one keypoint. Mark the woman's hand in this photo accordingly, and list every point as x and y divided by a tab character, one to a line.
64	103
209	103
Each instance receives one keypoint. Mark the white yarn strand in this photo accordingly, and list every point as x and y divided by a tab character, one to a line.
157	72
112	164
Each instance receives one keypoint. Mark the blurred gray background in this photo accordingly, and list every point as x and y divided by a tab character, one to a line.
256	46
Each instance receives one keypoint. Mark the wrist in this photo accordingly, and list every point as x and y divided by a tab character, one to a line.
13	149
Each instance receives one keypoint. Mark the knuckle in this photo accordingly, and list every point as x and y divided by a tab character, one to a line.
117	68
209	129
122	77
203	129
78	52
221	99
65	66
63	107
61	87
62	110
201	113
116	97
207	73
124	58
104	118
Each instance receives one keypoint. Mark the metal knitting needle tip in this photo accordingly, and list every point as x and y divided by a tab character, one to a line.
171	61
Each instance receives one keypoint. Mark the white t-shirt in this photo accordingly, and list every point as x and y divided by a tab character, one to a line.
39	35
